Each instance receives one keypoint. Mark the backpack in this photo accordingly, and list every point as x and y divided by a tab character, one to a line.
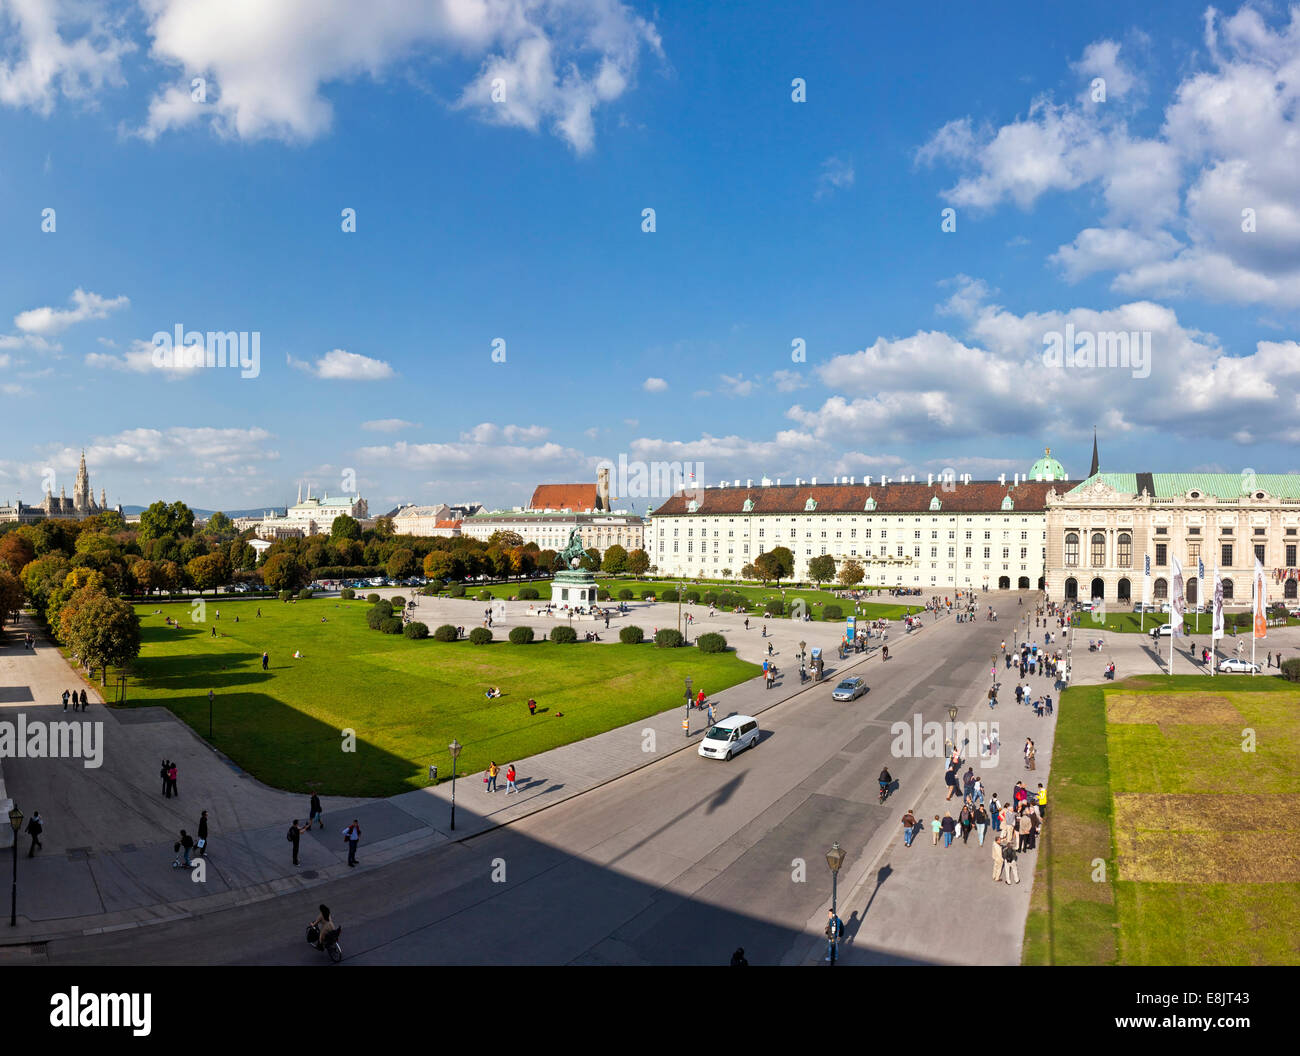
289	835
1008	853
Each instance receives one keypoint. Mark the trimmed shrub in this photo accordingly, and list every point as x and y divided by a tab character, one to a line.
392	625
397	601
832	612
693	597
711	643
456	590
372	598
602	594
485	595
564	635
646	595
710	597
416	629
305	593
347	594
480	636
285	595
625	595
1291	669
376	615
668	638
775	606
521	636
670	594
445	633
631	635
528	594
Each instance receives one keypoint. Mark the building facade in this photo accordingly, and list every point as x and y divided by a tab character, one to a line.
937	535
80	506
550	531
1100	532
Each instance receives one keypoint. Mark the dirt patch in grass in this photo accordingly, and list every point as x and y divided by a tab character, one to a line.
1233	856
1202	813
1183	709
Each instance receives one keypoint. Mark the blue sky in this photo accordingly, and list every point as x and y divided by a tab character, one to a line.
521	220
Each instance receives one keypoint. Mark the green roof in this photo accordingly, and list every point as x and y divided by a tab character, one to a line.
1220	485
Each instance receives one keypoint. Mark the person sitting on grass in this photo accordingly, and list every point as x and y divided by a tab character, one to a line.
492	693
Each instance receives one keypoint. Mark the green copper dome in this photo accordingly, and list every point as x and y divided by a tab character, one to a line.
1047	468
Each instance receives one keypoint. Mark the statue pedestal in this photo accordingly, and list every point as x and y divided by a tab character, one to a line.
573	587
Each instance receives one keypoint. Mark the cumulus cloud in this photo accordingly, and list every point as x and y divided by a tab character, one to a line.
139	359
340	365
836	175
85	305
268	66
655	385
58	49
388	425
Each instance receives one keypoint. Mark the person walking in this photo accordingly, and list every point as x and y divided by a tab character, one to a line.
966	818
294	835
353	836
936	827
1042	800
998	861
315	813
834	927
510	779
1030	753
265	661
202	841
909	828
950	779
66	694
492	772
186	846
1024	831
981	821
949	829
171	781
84	701
1009	857
34	829
164	772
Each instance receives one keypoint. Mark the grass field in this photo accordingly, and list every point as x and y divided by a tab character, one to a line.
1169	837
758	596
406	700
1135	623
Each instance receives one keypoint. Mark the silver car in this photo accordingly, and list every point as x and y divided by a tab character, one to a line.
849	689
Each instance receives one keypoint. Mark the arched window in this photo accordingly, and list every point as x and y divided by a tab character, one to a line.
1098	550
1227	590
1071	590
1191	590
1288	589
1071	549
1125	556
1124	590
1161	592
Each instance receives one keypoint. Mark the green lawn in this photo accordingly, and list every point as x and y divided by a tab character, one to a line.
1136	623
405	700
1169	837
758	596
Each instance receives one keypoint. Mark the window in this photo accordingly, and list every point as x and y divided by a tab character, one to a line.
1024	553
934	551
1006	553
1098	550
1125	550
1161	591
1260	531
986	553
1162	529
1225	555
900	551
1071	548
987	535
1162	554
1259	552
916	535
968	553
1227	590
1290	555
1193	553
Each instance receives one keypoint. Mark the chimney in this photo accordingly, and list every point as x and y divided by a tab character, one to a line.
737	484
866	481
930	479
814	481
749	482
602	488
853	480
1002	478
1015	480
778	481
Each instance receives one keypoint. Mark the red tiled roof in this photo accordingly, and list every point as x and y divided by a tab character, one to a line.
564	497
447	524
979	496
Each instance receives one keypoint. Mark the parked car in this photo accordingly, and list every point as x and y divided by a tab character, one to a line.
730	736
849	689
1163	631
1234	665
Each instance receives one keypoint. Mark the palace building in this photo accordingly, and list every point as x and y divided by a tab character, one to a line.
80	506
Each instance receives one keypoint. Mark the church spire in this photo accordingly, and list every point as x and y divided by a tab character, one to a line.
1095	464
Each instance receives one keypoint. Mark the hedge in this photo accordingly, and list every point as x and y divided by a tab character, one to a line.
285	595
774	606
832	612
602	594
456	590
485	595
625	595
376	615
528	594
433	586
347	594
646	595
305	593
397	601
416	629
693	597
480	636
372	598
445	633
709	597
521	636
1291	669
392	625
668	638
670	594
631	636
564	635
711	643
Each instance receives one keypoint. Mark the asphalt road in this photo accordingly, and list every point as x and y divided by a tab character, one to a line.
677	863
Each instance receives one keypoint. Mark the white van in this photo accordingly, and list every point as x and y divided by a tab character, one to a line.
729	736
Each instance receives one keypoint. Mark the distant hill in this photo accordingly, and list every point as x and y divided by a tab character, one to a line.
203	515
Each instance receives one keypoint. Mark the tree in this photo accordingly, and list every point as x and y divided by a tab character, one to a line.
11	595
147	576
76	580
170	574
162	519
851	573
638	562
546	559
383	528
100	631
591	559
748	571
765	567
726	573
821	569
401	563
780	563
16	552
219	524
615	560
505	540
344	527
442	564
49	536
284	572
209	571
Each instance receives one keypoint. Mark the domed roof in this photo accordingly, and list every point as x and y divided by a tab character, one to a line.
1047	468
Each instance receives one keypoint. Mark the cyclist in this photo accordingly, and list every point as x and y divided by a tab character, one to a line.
886	780
327	926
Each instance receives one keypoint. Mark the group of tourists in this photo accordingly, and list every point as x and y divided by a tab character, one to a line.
79	700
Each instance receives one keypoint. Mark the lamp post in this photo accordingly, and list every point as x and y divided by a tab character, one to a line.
454	748
16	820
835	858
210	696
952	719
686	722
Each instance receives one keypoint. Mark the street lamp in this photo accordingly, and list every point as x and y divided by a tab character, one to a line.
454	748
210	714
686	722
16	820
952	719
803	647
835	858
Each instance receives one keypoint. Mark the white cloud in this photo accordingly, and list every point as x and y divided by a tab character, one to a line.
489	433
655	385
388	425
738	386
86	305
138	359
836	175
58	48
339	365
788	380
269	64
1101	59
